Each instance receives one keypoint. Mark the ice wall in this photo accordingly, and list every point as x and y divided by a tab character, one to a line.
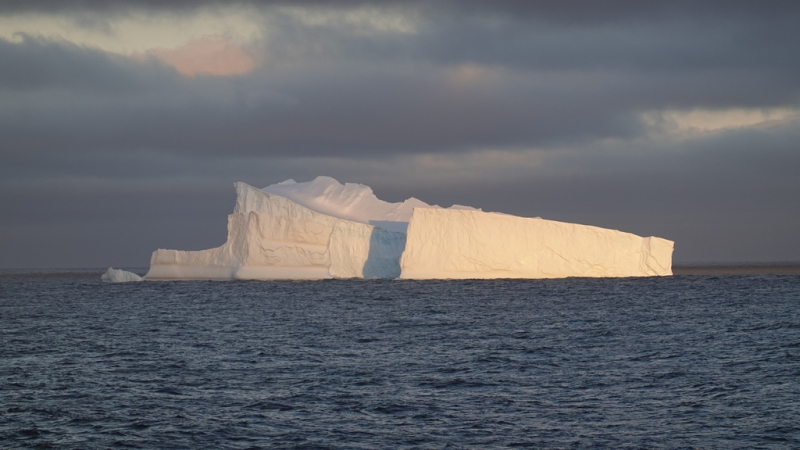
272	237
446	243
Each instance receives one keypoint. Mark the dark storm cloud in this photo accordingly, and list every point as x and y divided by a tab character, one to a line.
36	63
58	6
104	158
334	109
108	103
326	90
579	11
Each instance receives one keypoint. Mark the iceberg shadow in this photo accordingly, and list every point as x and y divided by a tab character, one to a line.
391	225
385	250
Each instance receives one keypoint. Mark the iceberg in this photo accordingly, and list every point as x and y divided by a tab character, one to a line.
324	229
113	275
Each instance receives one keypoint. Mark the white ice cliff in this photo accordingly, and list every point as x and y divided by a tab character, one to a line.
445	243
323	229
273	237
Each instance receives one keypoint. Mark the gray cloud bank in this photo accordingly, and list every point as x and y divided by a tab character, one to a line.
530	108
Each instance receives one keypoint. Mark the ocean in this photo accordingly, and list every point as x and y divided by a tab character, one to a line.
690	361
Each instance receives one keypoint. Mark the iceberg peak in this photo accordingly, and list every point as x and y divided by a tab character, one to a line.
349	201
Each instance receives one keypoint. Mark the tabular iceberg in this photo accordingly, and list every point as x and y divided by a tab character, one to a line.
323	229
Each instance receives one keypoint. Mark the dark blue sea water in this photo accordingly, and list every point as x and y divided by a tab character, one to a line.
680	362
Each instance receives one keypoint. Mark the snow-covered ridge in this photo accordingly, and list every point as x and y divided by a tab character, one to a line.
349	201
323	229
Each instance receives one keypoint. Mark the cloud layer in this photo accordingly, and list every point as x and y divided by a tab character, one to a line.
678	120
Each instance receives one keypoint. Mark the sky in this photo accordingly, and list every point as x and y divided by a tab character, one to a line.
123	125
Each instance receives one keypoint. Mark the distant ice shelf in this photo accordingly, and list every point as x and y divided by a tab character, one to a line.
324	229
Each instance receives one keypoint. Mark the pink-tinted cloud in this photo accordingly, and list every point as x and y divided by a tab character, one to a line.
209	55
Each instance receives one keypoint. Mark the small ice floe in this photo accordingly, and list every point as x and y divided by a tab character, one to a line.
113	275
